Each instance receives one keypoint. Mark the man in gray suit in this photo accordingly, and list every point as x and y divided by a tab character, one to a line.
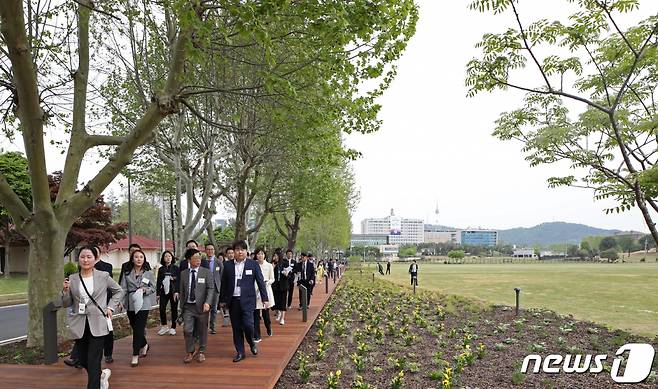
197	291
216	266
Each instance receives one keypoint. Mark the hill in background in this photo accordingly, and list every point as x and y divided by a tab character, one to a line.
554	232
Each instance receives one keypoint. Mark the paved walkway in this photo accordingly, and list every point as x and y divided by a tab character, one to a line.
164	368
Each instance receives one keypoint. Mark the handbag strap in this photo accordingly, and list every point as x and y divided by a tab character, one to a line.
89	294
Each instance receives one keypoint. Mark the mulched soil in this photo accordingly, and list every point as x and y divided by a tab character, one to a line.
19	354
388	330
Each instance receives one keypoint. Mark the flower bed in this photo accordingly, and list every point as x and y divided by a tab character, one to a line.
378	335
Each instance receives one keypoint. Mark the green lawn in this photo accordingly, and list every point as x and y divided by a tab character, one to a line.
620	295
13	288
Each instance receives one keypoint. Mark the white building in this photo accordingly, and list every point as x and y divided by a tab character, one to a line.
400	230
440	234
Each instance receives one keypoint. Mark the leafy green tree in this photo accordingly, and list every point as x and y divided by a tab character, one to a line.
456	254
51	74
146	216
627	243
607	243
408	251
588	60
610	254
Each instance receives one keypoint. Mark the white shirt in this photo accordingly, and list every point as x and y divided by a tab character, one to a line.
414	268
239	269
89	283
189	283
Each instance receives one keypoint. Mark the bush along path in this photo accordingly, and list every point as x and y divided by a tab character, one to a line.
379	335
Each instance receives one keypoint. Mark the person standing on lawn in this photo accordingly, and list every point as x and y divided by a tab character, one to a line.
167	292
138	285
196	294
388	266
91	321
413	270
239	294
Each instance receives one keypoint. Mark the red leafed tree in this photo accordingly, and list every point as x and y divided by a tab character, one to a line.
94	227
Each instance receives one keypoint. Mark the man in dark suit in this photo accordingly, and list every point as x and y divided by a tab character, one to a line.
291	277
125	265
108	346
413	270
196	293
216	267
306	271
239	295
192	244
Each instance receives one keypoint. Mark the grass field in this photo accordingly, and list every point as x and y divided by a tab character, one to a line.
619	295
13	288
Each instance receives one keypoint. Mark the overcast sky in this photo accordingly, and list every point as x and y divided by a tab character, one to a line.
435	144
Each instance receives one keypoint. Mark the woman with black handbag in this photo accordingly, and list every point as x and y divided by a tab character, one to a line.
86	291
138	285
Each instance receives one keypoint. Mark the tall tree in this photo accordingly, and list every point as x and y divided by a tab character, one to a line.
589	60
40	60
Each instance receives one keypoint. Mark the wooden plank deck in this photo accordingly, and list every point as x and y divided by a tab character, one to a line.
164	365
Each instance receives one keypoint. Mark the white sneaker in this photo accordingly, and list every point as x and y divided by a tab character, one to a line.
282	322
105	378
163	330
172	331
278	316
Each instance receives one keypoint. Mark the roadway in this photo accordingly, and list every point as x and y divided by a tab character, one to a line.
13	321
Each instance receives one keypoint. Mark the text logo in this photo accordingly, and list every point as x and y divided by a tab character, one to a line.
638	363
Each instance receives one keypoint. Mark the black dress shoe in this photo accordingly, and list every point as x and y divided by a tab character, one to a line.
109	359
71	362
254	349
238	358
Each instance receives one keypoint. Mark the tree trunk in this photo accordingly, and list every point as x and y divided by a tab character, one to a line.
293	230
45	275
641	203
241	211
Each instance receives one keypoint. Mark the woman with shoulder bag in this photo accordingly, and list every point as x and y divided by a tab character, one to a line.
138	286
280	286
91	320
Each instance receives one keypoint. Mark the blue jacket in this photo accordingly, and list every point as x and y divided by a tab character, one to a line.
251	275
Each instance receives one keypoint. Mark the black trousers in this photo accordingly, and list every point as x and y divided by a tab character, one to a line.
164	300
414	279
242	323
309	292
90	353
291	289
266	319
138	324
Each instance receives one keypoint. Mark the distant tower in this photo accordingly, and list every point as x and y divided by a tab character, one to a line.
436	214
392	213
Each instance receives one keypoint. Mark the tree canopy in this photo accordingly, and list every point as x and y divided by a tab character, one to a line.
589	60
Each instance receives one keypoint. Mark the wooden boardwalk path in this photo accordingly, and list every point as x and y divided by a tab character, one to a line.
164	368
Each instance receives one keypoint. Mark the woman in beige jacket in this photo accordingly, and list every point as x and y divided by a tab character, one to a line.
86	293
268	276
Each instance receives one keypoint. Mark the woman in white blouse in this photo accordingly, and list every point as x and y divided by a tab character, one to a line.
268	275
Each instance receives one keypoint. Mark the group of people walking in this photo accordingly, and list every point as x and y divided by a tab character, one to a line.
238	288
